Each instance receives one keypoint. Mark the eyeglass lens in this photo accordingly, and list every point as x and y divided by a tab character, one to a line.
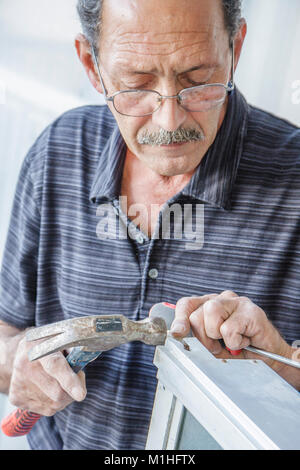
144	102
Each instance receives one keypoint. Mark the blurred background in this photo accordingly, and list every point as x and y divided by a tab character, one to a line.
41	77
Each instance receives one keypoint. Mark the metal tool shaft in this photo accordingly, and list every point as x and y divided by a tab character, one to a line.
273	356
167	311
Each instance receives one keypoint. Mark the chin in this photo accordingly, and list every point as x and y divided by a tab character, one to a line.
166	166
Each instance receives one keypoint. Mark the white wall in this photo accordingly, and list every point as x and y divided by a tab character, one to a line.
41	77
270	62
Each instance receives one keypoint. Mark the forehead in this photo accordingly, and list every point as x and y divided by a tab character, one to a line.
138	32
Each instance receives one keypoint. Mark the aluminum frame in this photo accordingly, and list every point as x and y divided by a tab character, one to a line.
243	404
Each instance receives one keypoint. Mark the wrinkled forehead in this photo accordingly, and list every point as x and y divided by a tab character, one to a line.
162	27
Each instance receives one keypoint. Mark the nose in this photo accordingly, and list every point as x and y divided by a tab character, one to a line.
170	116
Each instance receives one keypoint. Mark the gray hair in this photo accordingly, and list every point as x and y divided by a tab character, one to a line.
90	14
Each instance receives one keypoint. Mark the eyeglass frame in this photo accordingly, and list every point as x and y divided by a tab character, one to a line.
229	88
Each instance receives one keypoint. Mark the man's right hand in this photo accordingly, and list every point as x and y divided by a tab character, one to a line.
44	386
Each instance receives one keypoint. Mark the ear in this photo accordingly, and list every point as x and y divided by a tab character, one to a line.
239	40
83	49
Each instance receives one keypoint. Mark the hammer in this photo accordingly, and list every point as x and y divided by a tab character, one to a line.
89	336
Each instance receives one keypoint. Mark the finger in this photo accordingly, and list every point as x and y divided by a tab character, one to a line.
184	308
48	385
57	367
27	395
198	328
81	377
231	303
228	294
215	314
235	331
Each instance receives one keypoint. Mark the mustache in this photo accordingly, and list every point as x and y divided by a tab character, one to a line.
163	137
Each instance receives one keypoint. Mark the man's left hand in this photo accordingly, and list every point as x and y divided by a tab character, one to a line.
236	320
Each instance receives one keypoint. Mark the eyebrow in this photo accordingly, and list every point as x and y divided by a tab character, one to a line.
192	69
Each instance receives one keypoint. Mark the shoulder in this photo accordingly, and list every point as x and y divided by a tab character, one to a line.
86	125
90	116
270	163
272	139
77	126
72	142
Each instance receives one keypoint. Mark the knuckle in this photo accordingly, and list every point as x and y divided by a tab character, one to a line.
211	308
14	400
225	330
195	317
231	337
21	361
259	312
212	296
185	302
58	395
60	405
244	300
211	302
49	412
83	396
229	293
51	363
69	380
23	365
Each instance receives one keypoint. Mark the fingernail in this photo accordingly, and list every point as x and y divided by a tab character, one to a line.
178	328
78	393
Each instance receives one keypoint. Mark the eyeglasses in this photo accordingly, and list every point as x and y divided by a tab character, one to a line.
139	103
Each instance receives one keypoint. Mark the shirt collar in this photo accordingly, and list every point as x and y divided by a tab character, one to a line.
215	176
108	178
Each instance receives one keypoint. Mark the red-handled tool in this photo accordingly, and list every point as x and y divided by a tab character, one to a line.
92	334
95	334
20	422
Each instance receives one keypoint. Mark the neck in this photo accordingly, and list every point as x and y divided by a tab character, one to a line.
150	191
143	180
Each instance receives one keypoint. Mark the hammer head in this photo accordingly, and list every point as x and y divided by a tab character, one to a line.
95	333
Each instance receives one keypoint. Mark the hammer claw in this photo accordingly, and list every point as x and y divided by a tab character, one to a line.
47	331
89	336
50	346
95	333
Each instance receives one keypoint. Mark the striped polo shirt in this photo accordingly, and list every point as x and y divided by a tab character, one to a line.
67	253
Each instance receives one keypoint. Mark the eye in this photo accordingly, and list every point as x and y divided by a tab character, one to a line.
137	86
139	82
194	78
193	83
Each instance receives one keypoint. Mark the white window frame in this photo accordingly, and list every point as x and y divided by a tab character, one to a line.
243	404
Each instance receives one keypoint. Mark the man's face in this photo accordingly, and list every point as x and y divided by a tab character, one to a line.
165	45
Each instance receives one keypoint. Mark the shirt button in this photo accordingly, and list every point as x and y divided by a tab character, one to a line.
139	238
153	273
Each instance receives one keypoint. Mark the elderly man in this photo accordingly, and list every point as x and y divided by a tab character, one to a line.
175	131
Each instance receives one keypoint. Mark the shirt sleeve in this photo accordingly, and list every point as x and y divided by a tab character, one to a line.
18	275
